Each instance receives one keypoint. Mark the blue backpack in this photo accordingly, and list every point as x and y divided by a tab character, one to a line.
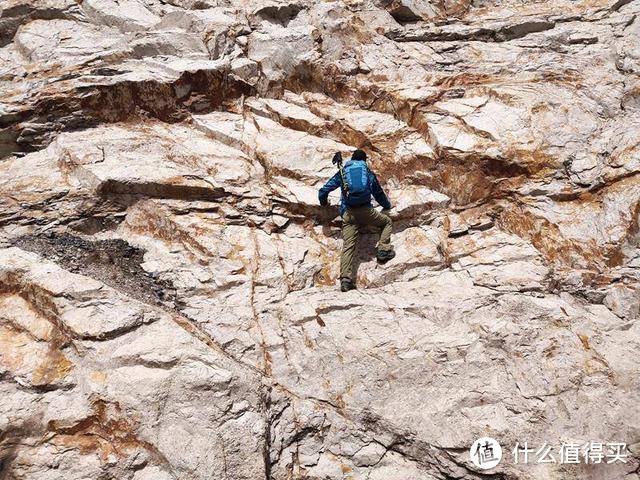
356	176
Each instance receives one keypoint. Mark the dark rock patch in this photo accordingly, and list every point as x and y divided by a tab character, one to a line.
113	262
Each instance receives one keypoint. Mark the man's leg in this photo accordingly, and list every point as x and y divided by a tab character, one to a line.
384	244
370	216
349	243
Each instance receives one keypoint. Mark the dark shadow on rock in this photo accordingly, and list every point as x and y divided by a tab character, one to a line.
366	249
331	232
13	437
278	14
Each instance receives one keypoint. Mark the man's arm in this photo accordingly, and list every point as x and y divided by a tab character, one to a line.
378	193
333	183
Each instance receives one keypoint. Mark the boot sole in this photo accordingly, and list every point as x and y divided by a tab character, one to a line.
385	259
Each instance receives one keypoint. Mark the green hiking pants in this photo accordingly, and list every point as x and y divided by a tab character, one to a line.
352	220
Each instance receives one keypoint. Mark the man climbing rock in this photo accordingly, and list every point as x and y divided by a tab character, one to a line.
358	183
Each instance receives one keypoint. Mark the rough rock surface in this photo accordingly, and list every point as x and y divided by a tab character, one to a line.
168	301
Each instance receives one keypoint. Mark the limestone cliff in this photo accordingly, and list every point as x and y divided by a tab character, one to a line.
168	293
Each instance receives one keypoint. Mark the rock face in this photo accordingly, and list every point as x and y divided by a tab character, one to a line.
168	299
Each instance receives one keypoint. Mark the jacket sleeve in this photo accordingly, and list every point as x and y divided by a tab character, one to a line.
333	183
378	193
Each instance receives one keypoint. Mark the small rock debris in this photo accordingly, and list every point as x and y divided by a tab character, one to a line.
113	262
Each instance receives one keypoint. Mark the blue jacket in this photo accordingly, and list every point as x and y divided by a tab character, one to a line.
336	181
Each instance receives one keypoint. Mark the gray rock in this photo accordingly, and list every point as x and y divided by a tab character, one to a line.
168	282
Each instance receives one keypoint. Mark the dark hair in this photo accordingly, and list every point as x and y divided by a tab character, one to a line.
359	155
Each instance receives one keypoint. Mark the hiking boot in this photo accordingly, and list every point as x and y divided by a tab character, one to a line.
347	284
384	256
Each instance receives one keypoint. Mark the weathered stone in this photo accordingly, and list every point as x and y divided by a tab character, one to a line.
217	27
111	416
63	42
169	302
127	15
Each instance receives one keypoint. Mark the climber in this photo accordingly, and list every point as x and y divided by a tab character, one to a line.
357	183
